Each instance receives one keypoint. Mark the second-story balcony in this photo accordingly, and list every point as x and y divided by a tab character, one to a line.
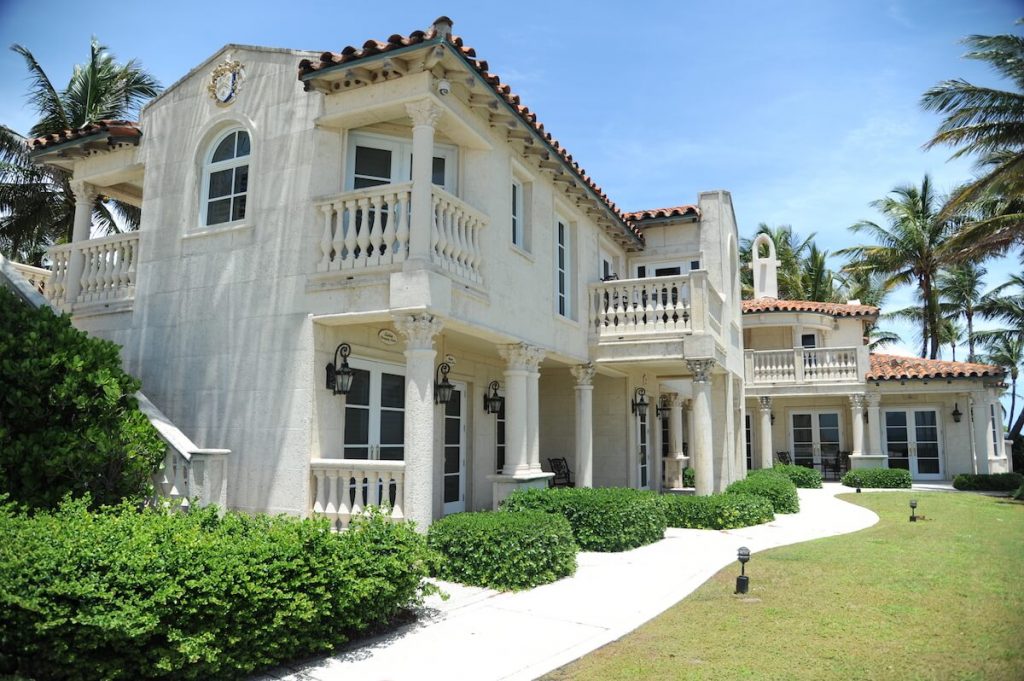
95	271
801	366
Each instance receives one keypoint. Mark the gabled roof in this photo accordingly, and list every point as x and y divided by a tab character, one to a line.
834	309
114	132
895	367
662	213
440	33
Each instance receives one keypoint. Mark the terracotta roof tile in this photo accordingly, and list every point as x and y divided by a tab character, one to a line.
372	47
656	213
895	367
834	309
123	130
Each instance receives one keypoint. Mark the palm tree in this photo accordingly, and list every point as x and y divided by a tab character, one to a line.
909	250
1003	304
960	292
989	124
1005	348
817	280
36	204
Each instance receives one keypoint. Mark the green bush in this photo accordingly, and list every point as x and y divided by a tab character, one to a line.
602	518
1019	494
717	511
128	594
69	422
688	477
996	482
878	478
802	476
505	551
778	489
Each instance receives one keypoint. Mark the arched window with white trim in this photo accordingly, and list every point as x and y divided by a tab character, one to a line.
226	179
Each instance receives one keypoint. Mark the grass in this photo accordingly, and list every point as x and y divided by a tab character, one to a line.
937	599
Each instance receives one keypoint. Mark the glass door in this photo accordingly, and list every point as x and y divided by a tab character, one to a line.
912	442
454	485
816	437
803	440
375	412
643	447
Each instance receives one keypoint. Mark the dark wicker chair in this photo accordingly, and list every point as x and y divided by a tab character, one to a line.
783	458
563	476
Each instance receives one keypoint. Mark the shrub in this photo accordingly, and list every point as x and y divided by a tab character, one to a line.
127	594
807	478
70	423
602	518
717	511
879	478
1019	494
996	482
505	551
688	477
778	489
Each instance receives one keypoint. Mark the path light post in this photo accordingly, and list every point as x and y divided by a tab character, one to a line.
913	509
743	582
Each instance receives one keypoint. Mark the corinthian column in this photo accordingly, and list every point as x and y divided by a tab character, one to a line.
85	198
424	114
764	432
857	424
419	332
701	439
584	375
520	438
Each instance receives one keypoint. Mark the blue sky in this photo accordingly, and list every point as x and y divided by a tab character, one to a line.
805	111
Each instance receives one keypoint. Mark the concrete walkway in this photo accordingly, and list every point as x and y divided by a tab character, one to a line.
479	634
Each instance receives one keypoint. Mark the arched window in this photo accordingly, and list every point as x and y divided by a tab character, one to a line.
226	179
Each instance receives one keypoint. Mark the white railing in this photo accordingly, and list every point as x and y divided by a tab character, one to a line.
343	488
37	277
109	272
60	258
804	365
365	228
634	307
455	235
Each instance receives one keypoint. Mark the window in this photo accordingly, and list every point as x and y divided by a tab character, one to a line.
563	269
808	340
377	159
749	442
695	264
226	179
996	412
517	214
608	270
499	438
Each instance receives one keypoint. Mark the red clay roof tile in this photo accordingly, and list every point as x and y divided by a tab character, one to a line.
834	309
119	129
656	213
895	367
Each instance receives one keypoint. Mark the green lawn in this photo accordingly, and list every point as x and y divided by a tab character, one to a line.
937	599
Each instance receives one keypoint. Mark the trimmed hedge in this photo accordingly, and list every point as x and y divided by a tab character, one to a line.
128	594
602	518
995	482
802	476
717	511
507	551
878	478
778	489
70	422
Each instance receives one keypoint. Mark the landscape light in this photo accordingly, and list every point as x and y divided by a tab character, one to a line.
743	582
913	509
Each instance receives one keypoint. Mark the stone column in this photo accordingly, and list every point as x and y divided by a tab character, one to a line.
982	419
700	441
874	425
536	355
85	198
857	424
584	375
689	429
419	332
764	432
676	461
521	361
424	114
654	458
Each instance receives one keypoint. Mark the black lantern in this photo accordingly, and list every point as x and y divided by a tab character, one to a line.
339	373
664	408
913	510
640	402
957	414
743	582
492	400
442	387
773	418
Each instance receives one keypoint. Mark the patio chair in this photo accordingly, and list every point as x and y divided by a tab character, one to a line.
830	464
842	464
563	476
783	458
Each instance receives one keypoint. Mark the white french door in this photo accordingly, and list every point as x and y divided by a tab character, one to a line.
375	412
643	450
912	442
379	159
815	435
454	475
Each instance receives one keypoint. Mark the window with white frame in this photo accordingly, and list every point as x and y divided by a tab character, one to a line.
375	159
499	438
226	179
518	226
563	268
996	411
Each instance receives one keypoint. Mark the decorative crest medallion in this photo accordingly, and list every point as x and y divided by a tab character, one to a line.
225	82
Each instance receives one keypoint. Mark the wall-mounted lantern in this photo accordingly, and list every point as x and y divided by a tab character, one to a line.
442	386
492	400
773	418
957	414
664	408
339	373
640	402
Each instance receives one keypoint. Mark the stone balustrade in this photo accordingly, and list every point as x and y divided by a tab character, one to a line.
365	228
343	488
804	365
60	258
108	271
455	236
629	308
37	277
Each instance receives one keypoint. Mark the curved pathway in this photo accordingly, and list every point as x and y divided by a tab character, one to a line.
480	634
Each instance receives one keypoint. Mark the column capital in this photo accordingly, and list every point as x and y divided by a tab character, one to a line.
701	369
522	356
673	399
84	192
583	373
873	399
765	404
857	402
419	330
423	112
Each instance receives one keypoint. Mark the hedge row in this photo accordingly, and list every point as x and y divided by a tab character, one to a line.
878	478
778	489
802	476
128	594
996	482
603	518
717	511
506	551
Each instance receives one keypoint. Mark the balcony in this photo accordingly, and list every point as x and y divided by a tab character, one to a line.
370	230
108	267
801	366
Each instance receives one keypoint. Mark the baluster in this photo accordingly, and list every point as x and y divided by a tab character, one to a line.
441	240
436	245
660	294
326	238
123	280
376	229
88	273
390	218
459	221
448	213
359	502
117	262
363	233
130	268
396	511
320	497
345	505
331	509
373	488
478	255
351	214
402	232
108	251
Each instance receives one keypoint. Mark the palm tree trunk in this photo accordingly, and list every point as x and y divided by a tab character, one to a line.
924	318
1018	425
931	316
969	315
